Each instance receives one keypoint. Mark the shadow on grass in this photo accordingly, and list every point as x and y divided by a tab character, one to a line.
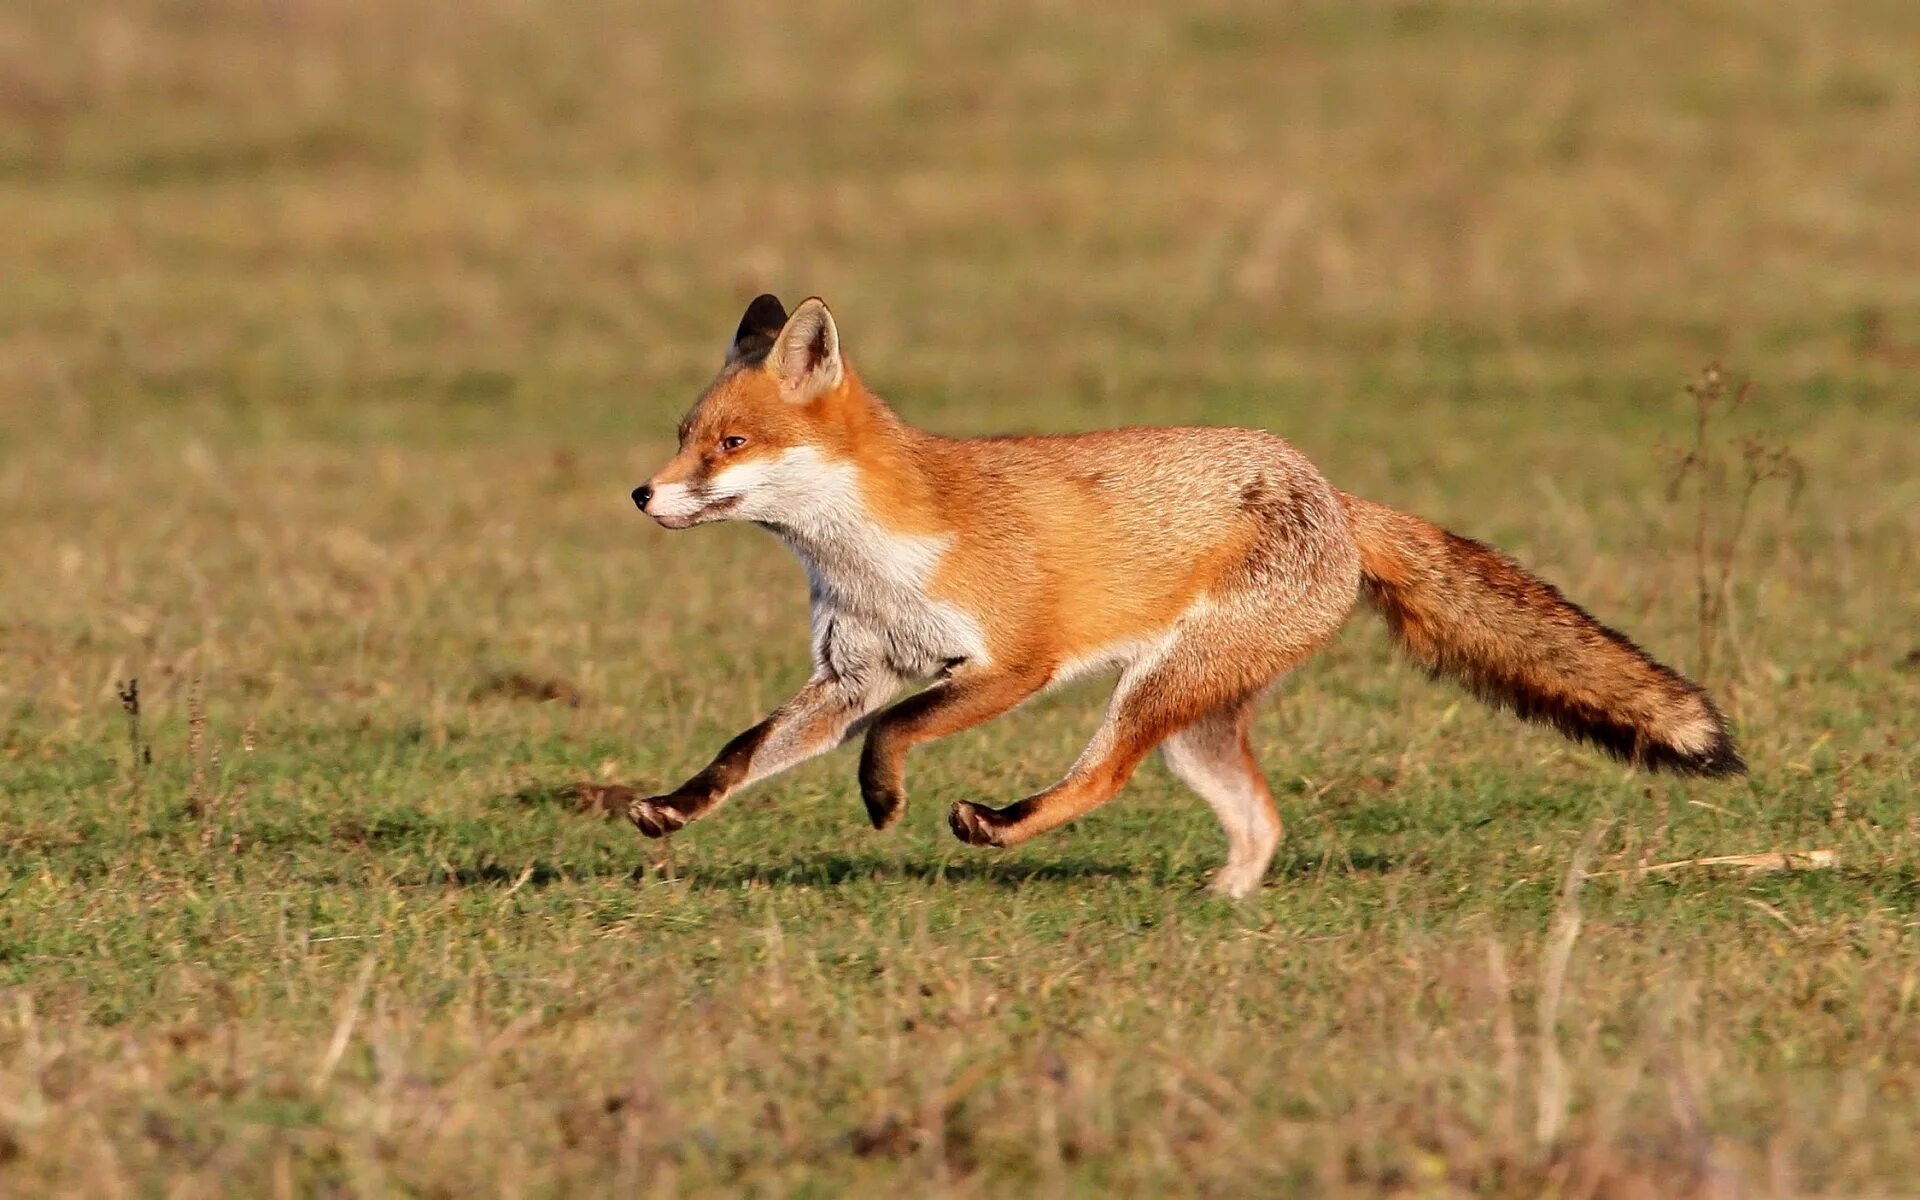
535	874
836	869
821	870
839	868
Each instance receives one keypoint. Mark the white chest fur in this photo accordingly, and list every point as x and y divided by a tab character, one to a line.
871	606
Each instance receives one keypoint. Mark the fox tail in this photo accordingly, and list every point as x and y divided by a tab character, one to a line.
1463	609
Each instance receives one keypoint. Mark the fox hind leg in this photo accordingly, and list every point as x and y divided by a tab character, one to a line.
1214	757
1199	690
1151	702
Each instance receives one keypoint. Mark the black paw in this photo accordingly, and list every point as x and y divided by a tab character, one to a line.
658	816
974	825
884	805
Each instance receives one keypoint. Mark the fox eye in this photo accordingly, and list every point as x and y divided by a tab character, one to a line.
732	443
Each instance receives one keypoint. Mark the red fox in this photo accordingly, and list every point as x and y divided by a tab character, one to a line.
1199	563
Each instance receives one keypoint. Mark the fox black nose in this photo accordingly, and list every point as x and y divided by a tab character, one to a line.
641	495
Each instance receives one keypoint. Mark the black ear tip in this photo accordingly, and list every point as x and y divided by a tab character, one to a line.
758	327
765	315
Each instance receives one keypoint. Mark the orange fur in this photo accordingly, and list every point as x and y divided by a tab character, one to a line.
1463	609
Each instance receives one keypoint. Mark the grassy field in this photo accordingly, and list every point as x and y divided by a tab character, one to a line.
333	334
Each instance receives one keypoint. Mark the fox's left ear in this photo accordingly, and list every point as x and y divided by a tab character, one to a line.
759	326
806	355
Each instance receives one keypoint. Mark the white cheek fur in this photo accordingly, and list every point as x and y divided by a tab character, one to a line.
742	478
792	487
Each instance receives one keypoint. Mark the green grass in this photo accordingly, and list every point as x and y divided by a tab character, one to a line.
332	337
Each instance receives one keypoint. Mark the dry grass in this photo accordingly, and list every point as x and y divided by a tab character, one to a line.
332	336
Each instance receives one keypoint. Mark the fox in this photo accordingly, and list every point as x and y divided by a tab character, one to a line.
1198	565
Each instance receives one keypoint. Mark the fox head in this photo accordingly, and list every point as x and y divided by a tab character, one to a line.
757	444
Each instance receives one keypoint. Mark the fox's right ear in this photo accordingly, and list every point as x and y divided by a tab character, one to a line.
805	358
758	328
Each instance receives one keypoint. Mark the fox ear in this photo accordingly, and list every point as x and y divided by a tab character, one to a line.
758	328
806	355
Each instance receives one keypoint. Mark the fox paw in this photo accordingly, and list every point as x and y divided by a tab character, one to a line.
976	826
1234	883
884	805
656	817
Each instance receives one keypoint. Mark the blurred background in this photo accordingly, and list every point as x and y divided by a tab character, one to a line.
346	217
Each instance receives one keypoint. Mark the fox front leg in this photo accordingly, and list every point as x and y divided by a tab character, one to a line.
957	702
814	721
658	816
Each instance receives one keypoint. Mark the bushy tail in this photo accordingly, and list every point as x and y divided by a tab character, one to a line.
1463	609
